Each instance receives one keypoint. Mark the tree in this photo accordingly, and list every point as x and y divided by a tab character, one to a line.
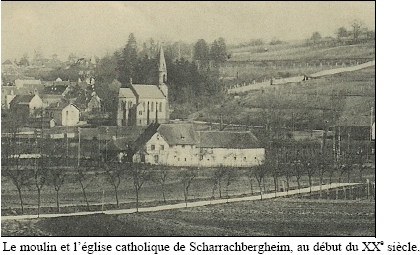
230	175
82	177
342	33
297	167
357	29
201	50
18	174
315	38
128	60
40	178
309	167
218	50
259	172
160	176
56	178
217	177
141	173
114	172
187	176
13	166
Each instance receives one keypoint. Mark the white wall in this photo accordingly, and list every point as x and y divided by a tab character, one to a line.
73	115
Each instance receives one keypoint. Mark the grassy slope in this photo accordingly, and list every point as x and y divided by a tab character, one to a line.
275	217
300	52
305	99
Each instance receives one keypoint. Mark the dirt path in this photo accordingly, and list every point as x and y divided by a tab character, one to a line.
182	205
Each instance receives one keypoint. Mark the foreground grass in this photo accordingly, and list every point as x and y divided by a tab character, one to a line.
274	217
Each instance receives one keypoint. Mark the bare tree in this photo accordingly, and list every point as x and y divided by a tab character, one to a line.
82	177
230	175
114	172
217	177
141	173
56	176
160	176
187	176
357	29
40	178
19	175
259	172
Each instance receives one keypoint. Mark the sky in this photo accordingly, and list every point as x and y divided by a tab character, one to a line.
97	28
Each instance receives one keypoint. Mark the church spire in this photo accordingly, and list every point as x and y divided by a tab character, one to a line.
162	67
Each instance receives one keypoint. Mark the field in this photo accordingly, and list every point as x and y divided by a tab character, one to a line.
274	217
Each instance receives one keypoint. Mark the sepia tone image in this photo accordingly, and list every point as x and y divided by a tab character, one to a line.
188	119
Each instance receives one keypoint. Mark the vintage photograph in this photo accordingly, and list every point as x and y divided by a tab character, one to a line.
188	119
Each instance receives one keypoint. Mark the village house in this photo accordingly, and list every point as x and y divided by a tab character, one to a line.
181	145
26	106
62	114
141	105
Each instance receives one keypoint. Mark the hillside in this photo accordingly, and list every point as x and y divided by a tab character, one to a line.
302	105
301	52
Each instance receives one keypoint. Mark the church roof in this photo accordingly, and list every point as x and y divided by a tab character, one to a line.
148	91
126	92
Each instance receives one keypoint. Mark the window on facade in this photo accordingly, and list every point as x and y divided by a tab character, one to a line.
255	158
129	104
201	157
185	159
152	147
156	157
160	107
139	122
234	158
244	158
140	113
162	147
151	107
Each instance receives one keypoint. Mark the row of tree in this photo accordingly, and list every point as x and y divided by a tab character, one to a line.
290	160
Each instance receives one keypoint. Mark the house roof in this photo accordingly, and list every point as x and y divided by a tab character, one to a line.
178	134
22	99
141	141
227	139
148	91
119	144
60	106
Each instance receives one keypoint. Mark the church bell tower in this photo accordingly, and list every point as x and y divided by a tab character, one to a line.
162	68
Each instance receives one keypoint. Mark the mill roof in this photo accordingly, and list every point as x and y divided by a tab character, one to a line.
178	134
228	139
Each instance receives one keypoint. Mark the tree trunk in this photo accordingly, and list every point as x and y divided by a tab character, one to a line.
57	202
220	189
252	188
21	200
310	183
116	196
163	192
137	199
39	200
85	195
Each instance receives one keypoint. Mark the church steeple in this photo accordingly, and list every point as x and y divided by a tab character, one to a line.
162	68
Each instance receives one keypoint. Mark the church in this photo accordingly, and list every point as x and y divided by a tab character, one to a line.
142	105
